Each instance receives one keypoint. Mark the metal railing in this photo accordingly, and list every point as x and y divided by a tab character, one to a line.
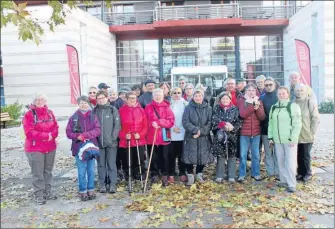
265	12
139	17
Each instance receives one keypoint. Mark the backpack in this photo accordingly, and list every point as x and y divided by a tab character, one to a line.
288	108
76	128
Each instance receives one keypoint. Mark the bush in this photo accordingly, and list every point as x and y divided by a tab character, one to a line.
14	111
326	107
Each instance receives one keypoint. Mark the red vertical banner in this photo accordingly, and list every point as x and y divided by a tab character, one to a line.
73	62
304	61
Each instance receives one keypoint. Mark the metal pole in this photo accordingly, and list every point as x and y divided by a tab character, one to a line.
102	10
237	57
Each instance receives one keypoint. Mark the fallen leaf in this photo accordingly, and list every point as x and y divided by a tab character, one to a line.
103	220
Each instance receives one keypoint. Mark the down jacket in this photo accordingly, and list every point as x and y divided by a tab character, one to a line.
37	135
165	120
251	118
133	120
197	151
90	129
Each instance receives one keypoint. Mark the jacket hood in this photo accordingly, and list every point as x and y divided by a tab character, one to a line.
38	109
162	104
194	104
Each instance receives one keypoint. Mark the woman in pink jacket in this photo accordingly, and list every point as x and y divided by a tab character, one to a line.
159	116
41	130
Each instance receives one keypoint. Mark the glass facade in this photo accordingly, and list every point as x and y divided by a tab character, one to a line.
139	60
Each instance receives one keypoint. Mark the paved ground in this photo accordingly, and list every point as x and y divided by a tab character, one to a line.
254	204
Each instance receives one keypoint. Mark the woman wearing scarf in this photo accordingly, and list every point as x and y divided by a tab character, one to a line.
252	112
83	125
225	122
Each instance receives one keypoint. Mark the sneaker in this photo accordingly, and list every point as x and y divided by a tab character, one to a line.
199	178
103	189
190	179
219	180
171	179
277	178
165	181
240	179
299	177
231	180
83	197
40	200
307	178
91	195
154	179
282	185
112	189
257	178
290	189
48	195
183	178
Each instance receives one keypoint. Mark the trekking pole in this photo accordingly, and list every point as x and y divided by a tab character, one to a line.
129	168
148	170
139	164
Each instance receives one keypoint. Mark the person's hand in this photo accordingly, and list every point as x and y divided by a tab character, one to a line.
198	133
256	107
128	136
176	130
155	125
81	138
195	136
229	126
137	136
271	143
50	137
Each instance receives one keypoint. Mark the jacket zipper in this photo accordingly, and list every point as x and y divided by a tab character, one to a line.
102	126
278	125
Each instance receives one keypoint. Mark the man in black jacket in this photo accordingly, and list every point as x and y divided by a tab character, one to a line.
118	103
146	97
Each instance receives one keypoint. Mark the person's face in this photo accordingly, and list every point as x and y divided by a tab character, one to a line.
84	106
122	95
189	91
260	84
158	97
104	89
92	93
137	91
269	86
150	87
251	92
240	86
176	94
182	84
113	96
230	85
40	102
225	100
198	98
165	89
102	100
144	88
282	95
300	93
294	79
131	101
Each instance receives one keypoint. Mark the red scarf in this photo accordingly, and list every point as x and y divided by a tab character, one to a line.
233	97
226	107
93	101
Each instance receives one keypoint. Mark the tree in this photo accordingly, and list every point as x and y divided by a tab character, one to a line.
30	28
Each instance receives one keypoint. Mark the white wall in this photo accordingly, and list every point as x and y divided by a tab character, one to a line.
319	41
29	68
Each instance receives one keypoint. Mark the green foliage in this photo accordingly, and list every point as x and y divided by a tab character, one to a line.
327	107
14	111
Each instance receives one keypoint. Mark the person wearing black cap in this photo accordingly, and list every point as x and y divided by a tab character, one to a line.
146	98
241	83
103	86
122	97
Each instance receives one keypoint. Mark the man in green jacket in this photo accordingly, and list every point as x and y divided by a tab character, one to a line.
310	121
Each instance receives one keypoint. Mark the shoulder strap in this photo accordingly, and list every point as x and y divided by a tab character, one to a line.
288	107
35	116
156	112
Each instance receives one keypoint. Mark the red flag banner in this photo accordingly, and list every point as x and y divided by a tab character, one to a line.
73	62
304	61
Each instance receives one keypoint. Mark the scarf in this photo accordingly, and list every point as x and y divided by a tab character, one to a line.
250	100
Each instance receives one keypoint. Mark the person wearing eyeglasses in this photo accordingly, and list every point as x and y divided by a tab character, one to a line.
178	105
122	97
260	81
269	98
166	89
146	97
134	125
188	95
92	95
182	83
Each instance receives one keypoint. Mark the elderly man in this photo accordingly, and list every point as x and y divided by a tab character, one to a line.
146	97
241	83
182	83
230	85
260	85
103	87
118	103
295	78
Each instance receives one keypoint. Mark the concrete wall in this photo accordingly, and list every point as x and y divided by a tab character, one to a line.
310	25
29	68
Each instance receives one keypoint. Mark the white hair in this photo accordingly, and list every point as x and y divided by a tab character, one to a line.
295	73
299	86
226	81
157	91
260	77
182	78
39	95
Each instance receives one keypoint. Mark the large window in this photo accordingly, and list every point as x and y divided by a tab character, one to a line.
137	61
262	55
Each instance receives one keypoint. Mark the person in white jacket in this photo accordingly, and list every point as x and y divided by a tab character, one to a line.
178	105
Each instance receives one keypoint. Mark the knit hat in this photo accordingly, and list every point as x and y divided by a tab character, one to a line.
124	89
197	90
83	98
149	81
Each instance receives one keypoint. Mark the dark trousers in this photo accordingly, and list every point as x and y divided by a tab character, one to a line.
135	169
304	158
176	149
162	160
107	165
121	160
199	168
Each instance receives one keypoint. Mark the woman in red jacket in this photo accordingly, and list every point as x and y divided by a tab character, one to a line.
252	112
41	130
134	129
160	116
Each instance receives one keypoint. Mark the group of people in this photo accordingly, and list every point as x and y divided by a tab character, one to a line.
179	123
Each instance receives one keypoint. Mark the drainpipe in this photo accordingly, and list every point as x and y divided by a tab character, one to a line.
237	57
160	59
102	10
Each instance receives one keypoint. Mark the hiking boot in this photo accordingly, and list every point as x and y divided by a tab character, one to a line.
154	179
231	180
299	177
40	200
257	178
290	189
199	178
48	195
91	195
282	185
103	189
219	180
83	197
183	178
240	179
190	179
307	178
165	181
171	179
112	189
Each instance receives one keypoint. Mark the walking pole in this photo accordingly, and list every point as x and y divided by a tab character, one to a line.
129	168
148	170
139	164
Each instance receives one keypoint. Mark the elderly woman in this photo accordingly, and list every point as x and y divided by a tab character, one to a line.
197	121
137	89
41	130
310	121
160	116
225	122
92	96
134	131
166	89
283	133
178	105
260	84
83	125
252	112
112	95
188	92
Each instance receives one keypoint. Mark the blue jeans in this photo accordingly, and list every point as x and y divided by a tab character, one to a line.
85	167
245	142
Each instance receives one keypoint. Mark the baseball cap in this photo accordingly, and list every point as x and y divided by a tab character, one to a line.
103	85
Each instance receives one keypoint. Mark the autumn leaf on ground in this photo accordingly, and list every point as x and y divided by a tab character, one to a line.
101	206
103	220
193	188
